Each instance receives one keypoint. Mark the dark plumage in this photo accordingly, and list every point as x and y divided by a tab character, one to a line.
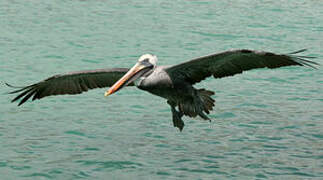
173	83
234	62
70	83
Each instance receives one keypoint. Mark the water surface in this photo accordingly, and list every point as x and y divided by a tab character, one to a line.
267	124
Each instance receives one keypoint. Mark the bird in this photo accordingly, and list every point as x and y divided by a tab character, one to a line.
174	83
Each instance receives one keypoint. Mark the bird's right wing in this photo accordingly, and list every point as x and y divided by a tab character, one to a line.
69	83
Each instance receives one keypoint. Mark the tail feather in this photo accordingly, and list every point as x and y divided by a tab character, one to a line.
187	108
196	106
207	100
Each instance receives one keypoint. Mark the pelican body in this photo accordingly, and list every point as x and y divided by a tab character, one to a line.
173	83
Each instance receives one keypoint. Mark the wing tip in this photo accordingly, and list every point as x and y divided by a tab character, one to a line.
12	86
298	51
23	92
302	60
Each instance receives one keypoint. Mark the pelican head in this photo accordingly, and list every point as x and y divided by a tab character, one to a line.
152	59
146	63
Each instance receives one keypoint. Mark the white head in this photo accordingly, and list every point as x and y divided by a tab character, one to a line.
146	63
149	58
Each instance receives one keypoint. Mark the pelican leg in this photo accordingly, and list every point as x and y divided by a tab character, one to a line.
177	116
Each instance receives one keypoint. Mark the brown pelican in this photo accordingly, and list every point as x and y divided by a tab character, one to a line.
174	83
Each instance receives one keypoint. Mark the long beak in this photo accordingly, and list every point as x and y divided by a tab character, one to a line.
129	77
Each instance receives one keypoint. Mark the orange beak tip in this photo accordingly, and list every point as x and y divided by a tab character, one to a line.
107	93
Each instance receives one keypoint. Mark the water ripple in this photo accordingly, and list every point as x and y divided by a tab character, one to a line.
266	124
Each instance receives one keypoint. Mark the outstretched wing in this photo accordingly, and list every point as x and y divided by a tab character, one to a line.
233	62
70	83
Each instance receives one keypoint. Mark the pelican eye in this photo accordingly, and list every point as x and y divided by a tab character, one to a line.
145	60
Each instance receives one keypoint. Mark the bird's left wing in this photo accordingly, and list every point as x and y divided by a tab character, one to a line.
233	62
69	83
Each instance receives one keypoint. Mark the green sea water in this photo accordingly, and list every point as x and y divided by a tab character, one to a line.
267	124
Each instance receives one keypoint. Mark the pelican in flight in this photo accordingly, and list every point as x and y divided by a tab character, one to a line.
173	83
